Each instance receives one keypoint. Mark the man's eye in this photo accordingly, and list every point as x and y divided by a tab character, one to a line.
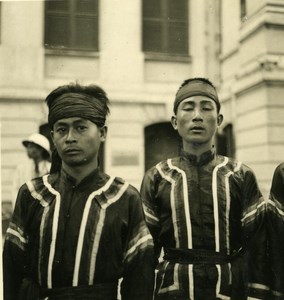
82	128
208	108
188	108
60	130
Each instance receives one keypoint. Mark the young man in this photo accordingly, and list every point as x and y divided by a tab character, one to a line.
204	210
77	231
276	233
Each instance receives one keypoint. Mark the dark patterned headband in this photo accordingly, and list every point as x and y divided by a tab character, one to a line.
196	88
77	105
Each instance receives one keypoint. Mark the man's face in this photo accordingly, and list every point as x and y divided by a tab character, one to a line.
77	141
197	120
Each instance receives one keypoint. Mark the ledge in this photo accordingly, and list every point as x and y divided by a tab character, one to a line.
69	52
153	56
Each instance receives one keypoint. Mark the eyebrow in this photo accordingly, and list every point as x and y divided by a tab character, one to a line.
202	102
60	123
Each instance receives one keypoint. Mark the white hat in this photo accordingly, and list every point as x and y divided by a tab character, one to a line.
39	140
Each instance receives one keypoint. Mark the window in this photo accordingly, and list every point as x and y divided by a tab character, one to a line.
165	26
226	142
161	142
71	24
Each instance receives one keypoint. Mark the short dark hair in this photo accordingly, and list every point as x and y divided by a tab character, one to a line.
205	80
91	90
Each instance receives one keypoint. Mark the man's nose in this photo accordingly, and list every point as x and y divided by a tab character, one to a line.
197	115
71	136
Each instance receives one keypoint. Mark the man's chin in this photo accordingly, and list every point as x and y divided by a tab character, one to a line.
75	162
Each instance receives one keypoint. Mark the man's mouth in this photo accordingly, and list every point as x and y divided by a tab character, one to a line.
71	151
197	129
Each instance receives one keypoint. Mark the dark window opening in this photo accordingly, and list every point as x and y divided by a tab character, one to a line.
165	27
226	142
161	142
71	25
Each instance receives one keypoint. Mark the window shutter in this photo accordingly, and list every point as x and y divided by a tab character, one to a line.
165	26
72	24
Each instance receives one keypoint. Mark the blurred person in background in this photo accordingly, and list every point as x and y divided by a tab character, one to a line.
77	231
38	151
204	210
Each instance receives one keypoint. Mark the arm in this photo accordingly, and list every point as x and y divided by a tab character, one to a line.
15	249
255	236
150	207
138	275
276	232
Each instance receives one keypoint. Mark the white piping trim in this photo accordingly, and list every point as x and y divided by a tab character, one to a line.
54	229
228	203
83	228
172	200
215	202
186	203
141	241
99	231
17	234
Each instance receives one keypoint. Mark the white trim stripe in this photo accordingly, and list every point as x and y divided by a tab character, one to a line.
230	273
175	285
191	282
36	195
98	234
259	286
41	230
272	203
238	166
228	204
218	284
276	293
100	228
186	203
141	241
223	297
83	228
172	200
150	216
263	203
117	196
54	229
215	202
17	234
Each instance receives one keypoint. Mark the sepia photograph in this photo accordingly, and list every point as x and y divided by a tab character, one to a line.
142	149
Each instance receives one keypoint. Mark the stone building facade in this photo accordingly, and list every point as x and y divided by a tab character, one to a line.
140	52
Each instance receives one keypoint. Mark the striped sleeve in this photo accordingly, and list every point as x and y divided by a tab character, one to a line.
275	207
148	195
255	236
138	278
15	246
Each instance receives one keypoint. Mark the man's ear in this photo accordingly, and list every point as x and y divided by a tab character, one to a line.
220	119
52	136
103	132
174	122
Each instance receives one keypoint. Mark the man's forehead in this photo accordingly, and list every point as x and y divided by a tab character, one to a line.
198	99
71	120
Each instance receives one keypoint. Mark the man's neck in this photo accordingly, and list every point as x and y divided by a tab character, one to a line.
197	149
79	172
